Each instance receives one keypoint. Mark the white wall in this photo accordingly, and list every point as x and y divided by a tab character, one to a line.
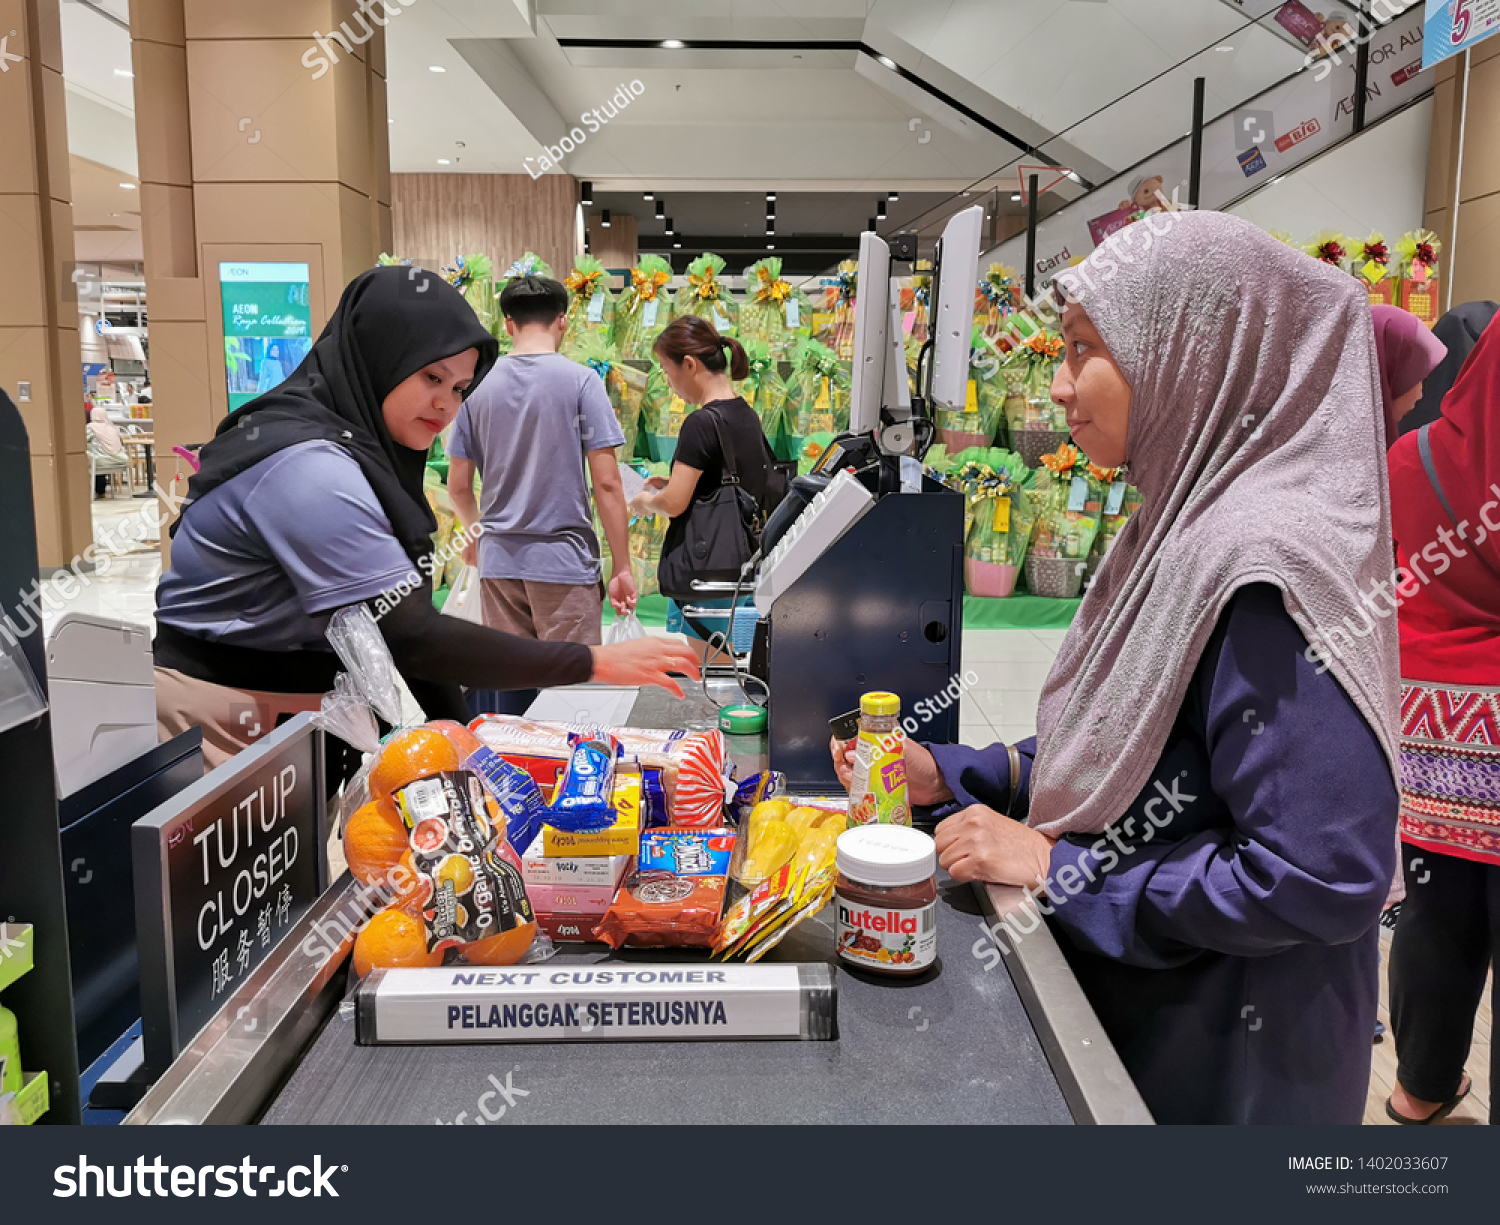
1376	182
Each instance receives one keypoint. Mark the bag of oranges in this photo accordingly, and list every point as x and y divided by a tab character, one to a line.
425	830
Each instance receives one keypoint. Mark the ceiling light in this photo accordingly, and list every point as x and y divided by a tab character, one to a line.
390	121
880	210
646	195
770	246
895	195
1074	176
661	208
128	186
676	246
587	196
669	225
672	44
1015	197
1225	47
870	225
604	220
886	60
123	72
436	68
443	161
771	197
770	229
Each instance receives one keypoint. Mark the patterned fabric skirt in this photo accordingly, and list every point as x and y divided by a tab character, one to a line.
1450	770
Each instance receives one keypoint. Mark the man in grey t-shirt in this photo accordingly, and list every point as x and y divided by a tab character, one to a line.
529	430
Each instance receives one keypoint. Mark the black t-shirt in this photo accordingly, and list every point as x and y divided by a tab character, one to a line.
698	447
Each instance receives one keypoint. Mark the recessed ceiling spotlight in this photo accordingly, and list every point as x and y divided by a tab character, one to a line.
1225	47
1015	197
436	68
673	44
443	161
676	246
886	60
880	210
604	220
895	195
124	72
390	121
646	195
1073	174
770	246
771	197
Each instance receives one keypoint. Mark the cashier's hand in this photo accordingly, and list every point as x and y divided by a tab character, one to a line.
978	844
924	784
645	661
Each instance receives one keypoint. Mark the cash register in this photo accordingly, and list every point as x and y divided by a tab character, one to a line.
860	576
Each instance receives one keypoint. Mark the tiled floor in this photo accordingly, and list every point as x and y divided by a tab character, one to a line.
1009	667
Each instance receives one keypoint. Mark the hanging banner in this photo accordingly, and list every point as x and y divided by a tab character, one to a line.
1452	26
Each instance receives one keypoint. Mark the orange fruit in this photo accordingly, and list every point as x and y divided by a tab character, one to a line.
410	755
458	872
393	939
505	949
459	736
374	841
413	890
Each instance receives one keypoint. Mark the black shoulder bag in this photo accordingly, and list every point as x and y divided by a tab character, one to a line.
720	534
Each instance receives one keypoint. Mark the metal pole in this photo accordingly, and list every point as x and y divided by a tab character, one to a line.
1361	78
1195	157
1031	203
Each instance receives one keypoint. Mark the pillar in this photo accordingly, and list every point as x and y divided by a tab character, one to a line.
40	363
1464	163
262	138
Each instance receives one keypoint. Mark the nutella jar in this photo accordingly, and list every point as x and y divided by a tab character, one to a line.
886	899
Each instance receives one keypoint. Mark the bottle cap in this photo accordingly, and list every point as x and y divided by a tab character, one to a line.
880	703
742	720
888	856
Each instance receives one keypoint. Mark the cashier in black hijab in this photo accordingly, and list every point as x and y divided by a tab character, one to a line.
309	499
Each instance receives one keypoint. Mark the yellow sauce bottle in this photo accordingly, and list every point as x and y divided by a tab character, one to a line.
877	794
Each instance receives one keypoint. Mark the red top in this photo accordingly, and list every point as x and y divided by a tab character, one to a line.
1450	627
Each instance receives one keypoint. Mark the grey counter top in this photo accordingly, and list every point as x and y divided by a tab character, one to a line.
953	1046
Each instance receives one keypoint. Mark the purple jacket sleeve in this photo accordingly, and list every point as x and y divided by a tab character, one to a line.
982	776
1295	840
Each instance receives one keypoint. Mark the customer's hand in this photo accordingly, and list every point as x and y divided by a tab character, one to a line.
646	661
978	844
924	784
622	592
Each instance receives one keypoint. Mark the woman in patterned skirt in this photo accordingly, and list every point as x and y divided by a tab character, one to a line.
1445	510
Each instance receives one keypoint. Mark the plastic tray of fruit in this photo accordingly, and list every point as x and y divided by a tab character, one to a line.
15	952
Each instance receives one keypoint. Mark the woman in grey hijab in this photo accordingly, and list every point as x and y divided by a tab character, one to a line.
1208	811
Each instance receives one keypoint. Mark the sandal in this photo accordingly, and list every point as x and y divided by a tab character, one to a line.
1442	1112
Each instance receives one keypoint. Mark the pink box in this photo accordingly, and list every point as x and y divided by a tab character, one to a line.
590	900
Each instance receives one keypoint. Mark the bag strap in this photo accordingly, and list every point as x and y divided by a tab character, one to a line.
730	474
1424	449
1014	754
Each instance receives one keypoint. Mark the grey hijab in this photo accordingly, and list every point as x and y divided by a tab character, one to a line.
1255	440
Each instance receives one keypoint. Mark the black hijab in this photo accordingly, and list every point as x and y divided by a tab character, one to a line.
1460	329
390	323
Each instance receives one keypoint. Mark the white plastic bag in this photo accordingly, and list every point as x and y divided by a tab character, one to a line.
464	600
625	629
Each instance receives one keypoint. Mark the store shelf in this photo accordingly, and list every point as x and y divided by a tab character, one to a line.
30	1103
16	952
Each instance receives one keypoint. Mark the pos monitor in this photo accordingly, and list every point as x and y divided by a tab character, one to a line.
881	403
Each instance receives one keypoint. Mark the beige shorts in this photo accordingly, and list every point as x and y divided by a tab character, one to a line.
231	719
548	612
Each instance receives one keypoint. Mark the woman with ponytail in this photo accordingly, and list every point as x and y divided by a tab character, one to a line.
699	364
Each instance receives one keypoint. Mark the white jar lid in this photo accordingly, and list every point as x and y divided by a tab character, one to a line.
886	855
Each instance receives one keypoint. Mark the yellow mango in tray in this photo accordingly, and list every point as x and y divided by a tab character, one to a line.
816	850
803	819
771	845
766	810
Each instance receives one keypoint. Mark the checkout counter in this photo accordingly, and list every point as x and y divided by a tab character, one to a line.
979	1039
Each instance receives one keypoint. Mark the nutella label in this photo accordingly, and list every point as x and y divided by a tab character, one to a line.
881	937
